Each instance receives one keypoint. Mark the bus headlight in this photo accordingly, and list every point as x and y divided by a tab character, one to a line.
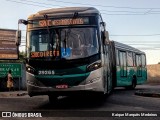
30	70
94	66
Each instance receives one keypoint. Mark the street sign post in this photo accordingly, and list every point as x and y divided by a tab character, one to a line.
8	47
16	69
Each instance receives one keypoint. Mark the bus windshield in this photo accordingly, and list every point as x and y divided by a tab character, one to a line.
68	43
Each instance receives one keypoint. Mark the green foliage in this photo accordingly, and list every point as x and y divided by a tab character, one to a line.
22	55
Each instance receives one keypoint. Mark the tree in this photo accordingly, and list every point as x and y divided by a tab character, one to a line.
22	55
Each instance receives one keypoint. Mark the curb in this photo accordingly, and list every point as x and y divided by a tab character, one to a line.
12	94
148	93
22	94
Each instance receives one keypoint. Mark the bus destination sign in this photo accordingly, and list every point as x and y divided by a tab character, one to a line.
8	48
60	22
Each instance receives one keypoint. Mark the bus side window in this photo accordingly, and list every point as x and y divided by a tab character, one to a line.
134	59
123	61
130	59
143	60
138	60
117	57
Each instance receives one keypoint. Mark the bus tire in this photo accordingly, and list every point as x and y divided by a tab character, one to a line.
134	83
101	96
52	98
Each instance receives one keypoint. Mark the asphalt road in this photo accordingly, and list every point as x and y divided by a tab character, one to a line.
121	101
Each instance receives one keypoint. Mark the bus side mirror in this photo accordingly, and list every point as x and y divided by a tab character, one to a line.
106	37
22	21
18	37
103	23
18	32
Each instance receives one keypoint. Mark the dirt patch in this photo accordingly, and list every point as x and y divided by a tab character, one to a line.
148	93
153	73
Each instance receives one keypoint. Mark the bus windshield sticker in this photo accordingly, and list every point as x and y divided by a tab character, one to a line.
65	52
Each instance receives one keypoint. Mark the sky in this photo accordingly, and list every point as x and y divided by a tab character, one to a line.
132	22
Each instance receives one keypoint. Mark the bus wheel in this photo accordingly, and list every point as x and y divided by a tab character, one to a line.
134	83
101	96
52	98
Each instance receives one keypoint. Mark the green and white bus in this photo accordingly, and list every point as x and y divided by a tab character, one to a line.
69	52
128	65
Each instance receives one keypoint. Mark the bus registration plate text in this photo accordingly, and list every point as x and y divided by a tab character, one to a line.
61	86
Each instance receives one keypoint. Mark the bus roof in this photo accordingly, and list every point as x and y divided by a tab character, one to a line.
122	46
65	11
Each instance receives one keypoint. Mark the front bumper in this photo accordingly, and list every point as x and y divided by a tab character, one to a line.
93	83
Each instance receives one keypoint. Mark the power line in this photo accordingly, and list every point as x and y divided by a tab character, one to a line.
51	5
45	5
149	11
24	3
78	3
135	35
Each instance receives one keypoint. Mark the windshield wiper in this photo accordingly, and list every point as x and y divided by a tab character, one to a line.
50	37
67	33
65	41
57	44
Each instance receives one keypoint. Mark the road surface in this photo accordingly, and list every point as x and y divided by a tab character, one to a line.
121	102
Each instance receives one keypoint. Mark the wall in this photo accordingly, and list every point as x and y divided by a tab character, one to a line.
153	73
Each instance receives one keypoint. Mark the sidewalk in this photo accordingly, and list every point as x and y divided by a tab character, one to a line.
8	94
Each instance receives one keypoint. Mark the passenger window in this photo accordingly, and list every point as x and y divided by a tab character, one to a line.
123	61
117	57
130	59
143	60
138	60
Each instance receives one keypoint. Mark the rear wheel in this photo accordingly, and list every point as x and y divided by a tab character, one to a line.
52	98
133	85
101	96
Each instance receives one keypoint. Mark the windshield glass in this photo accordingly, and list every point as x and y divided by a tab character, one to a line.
68	43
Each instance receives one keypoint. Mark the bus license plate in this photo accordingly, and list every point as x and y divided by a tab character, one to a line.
61	86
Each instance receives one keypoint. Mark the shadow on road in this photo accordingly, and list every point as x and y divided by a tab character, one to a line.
93	102
78	102
83	101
